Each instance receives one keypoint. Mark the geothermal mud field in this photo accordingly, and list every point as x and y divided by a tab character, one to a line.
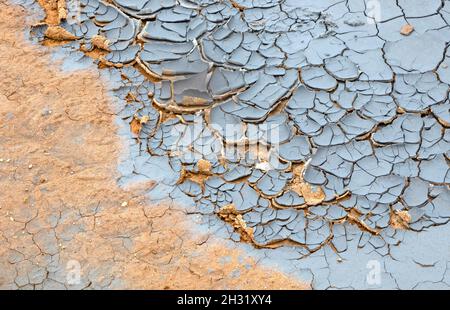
312	135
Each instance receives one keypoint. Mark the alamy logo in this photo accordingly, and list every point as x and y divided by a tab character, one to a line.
374	275
73	272
373	11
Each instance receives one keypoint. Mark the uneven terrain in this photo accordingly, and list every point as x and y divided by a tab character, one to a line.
60	205
313	134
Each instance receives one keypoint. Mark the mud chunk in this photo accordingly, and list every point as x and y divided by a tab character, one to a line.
204	166
406	30
101	42
318	78
58	33
312	194
137	123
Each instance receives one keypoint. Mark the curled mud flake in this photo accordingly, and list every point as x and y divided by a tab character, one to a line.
101	42
191	101
229	214
58	33
400	219
354	217
406	30
317	78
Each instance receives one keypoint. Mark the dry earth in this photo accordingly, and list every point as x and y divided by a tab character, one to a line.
59	200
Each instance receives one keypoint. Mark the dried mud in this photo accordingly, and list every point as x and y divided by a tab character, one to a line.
316	129
60	200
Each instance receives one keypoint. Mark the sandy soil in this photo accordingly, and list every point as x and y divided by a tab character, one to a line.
59	200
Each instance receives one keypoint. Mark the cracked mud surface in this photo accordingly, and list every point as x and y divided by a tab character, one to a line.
316	128
60	200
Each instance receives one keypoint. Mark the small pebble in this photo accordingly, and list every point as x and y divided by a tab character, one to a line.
406	30
30	166
124	204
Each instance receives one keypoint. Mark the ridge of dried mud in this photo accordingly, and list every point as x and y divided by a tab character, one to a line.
60	201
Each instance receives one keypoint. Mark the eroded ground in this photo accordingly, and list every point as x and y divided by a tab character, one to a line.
60	203
316	130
